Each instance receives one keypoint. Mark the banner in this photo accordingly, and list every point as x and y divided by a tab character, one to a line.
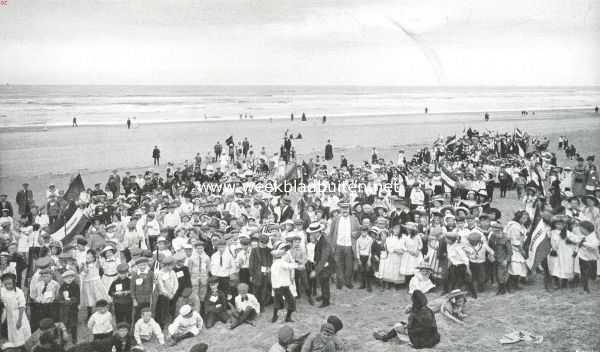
448	178
74	226
539	245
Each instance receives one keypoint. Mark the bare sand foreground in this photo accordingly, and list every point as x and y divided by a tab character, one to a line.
54	156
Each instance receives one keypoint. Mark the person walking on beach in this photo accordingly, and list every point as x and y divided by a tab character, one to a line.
128	123
218	150
75	122
487	116
328	151
156	155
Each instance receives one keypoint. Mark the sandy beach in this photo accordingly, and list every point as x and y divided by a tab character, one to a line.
41	157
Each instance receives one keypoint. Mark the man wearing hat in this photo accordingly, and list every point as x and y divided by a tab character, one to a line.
24	200
287	212
323	261
120	292
260	266
345	229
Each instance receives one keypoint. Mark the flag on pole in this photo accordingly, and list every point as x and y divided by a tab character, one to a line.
522	148
229	141
451	140
448	178
72	220
75	188
538	242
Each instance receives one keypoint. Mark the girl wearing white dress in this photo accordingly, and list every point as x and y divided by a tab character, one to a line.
14	310
411	244
516	231
92	289
561	261
389	266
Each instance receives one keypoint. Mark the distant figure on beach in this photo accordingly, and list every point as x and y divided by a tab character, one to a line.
324	118
328	151
596	109
292	117
75	122
487	116
128	123
218	151
245	147
240	116
156	155
299	136
303	117
426	110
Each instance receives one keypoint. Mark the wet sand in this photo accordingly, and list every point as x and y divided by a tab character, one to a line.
53	156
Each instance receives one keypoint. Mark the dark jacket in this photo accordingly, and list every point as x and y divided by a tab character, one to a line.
259	257
323	257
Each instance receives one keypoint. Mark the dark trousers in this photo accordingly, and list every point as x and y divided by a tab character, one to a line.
478	273
503	188
312	282
280	294
100	337
40	311
344	265
301	279
123	312
156	161
213	317
245	275
324	284
224	284
588	271
490	271
457	277
365	272
163	311
68	315
263	291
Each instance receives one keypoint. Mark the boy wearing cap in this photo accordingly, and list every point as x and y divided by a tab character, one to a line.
141	285
298	253
281	281
68	302
477	249
120	292
502	248
187	324
459	272
146	328
221	265
43	293
215	304
183	279
167	285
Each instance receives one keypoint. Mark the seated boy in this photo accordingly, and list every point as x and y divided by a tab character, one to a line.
146	328
246	307
187	324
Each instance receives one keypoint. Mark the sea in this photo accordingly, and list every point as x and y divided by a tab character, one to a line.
47	106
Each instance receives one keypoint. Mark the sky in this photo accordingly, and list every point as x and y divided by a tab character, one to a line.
309	42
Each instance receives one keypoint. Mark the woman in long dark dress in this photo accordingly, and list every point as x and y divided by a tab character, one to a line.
421	327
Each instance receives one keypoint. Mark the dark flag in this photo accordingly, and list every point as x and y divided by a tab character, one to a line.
229	141
75	188
72	220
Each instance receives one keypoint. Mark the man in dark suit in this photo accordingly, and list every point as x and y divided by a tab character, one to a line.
323	261
24	200
287	212
5	204
345	229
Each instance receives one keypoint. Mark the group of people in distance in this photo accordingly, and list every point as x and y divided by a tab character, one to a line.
157	259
